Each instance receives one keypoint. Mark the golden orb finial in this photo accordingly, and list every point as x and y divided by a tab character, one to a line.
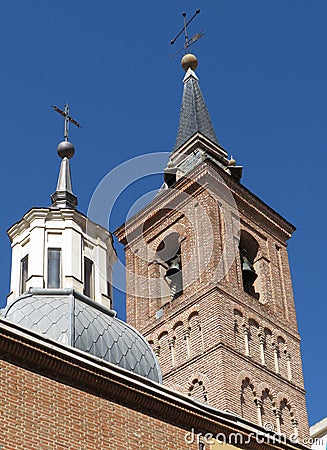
189	61
232	161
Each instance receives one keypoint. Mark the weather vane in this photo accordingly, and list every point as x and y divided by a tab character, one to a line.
188	41
68	119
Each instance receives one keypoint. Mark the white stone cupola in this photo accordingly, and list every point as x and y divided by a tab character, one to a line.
59	247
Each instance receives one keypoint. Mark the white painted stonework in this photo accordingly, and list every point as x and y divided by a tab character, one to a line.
76	236
318	434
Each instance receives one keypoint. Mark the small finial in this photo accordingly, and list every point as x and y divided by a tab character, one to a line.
63	196
65	149
189	61
232	161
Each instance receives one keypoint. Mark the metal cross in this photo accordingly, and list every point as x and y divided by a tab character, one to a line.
68	119
188	41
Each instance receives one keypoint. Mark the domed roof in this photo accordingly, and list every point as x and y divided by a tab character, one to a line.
71	318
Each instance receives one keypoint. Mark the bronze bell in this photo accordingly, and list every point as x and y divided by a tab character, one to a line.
173	266
249	274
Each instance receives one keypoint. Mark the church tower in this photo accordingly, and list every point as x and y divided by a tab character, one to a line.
208	281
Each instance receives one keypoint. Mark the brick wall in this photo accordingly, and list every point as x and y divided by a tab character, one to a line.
37	412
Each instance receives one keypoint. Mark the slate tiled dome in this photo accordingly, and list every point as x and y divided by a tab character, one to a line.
73	319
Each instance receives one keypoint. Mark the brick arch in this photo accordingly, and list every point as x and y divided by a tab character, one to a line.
200	382
253	319
238	314
268	407
282	397
265	387
198	376
281	349
248	396
194	311
239	310
178	228
288	424
178	323
268	347
162	333
245	375
278	335
254	340
281	339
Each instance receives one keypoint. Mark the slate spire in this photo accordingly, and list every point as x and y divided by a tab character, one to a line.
194	115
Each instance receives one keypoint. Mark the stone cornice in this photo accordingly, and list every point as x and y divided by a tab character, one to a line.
63	214
85	372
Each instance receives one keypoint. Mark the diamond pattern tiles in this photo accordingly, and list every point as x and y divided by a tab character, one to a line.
46	315
95	331
113	340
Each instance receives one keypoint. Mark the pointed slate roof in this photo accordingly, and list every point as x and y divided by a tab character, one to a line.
194	115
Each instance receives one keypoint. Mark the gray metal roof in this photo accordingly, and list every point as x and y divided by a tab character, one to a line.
73	319
194	115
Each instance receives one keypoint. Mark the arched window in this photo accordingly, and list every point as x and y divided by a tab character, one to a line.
198	390
248	405
268	411
254	340
238	331
282	357
269	353
248	251
179	343
288	424
168	255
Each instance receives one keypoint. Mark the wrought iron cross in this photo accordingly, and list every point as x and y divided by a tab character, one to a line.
188	41
68	119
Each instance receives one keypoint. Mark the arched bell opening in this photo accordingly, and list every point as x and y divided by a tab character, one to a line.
169	252
248	248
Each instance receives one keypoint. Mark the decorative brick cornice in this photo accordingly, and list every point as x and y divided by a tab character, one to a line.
246	201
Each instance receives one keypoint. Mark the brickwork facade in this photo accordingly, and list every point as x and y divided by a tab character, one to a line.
40	413
216	342
55	397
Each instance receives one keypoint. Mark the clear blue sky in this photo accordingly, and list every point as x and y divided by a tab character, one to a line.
262	70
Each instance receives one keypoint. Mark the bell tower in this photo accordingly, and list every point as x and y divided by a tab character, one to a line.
208	281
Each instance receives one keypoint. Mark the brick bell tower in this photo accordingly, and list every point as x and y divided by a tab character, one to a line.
208	281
